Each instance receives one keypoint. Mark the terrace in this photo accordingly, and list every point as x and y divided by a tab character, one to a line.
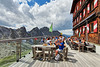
75	59
23	57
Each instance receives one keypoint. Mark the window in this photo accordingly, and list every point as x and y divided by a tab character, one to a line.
86	11
82	14
92	5
79	18
83	1
74	32
92	27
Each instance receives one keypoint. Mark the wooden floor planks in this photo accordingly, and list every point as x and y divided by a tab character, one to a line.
75	59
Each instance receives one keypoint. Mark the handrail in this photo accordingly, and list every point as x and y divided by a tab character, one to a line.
17	39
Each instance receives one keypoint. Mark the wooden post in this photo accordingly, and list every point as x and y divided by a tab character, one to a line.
20	48
86	31
99	29
17	52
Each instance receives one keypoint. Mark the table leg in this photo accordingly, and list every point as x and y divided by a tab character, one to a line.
52	52
82	48
87	49
49	55
33	50
79	48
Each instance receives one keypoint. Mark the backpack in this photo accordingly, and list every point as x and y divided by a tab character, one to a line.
57	57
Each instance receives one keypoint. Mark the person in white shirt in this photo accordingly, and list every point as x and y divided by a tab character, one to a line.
62	38
49	41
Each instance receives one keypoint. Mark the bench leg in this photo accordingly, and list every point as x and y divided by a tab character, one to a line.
87	49
43	56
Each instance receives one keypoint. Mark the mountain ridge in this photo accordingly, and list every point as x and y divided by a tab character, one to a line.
9	33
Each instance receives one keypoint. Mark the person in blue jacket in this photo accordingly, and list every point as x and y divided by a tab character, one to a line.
61	46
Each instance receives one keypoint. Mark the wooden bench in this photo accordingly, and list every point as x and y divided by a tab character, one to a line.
64	53
36	52
47	51
92	47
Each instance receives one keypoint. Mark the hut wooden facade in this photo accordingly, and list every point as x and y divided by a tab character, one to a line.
86	19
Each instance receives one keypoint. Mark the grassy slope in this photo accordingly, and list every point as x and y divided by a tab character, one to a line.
5	62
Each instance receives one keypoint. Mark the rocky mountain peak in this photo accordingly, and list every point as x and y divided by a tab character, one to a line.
36	32
6	33
44	29
22	32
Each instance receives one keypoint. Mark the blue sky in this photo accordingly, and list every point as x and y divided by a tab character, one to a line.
40	2
37	13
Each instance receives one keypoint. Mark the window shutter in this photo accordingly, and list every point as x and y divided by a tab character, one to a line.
80	16
83	29
84	13
88	8
80	30
77	7
95	3
77	31
83	0
95	26
77	19
75	11
80	2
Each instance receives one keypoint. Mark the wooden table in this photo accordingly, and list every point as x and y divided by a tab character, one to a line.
44	48
80	45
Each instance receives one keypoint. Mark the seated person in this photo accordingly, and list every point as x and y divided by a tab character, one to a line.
56	43
74	44
62	38
49	41
75	38
61	46
71	40
79	40
56	37
83	41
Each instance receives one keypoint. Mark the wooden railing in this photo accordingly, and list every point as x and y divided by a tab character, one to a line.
18	44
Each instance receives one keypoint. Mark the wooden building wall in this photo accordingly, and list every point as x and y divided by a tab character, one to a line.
92	37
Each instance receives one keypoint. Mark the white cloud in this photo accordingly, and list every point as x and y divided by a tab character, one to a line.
15	15
56	12
67	32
